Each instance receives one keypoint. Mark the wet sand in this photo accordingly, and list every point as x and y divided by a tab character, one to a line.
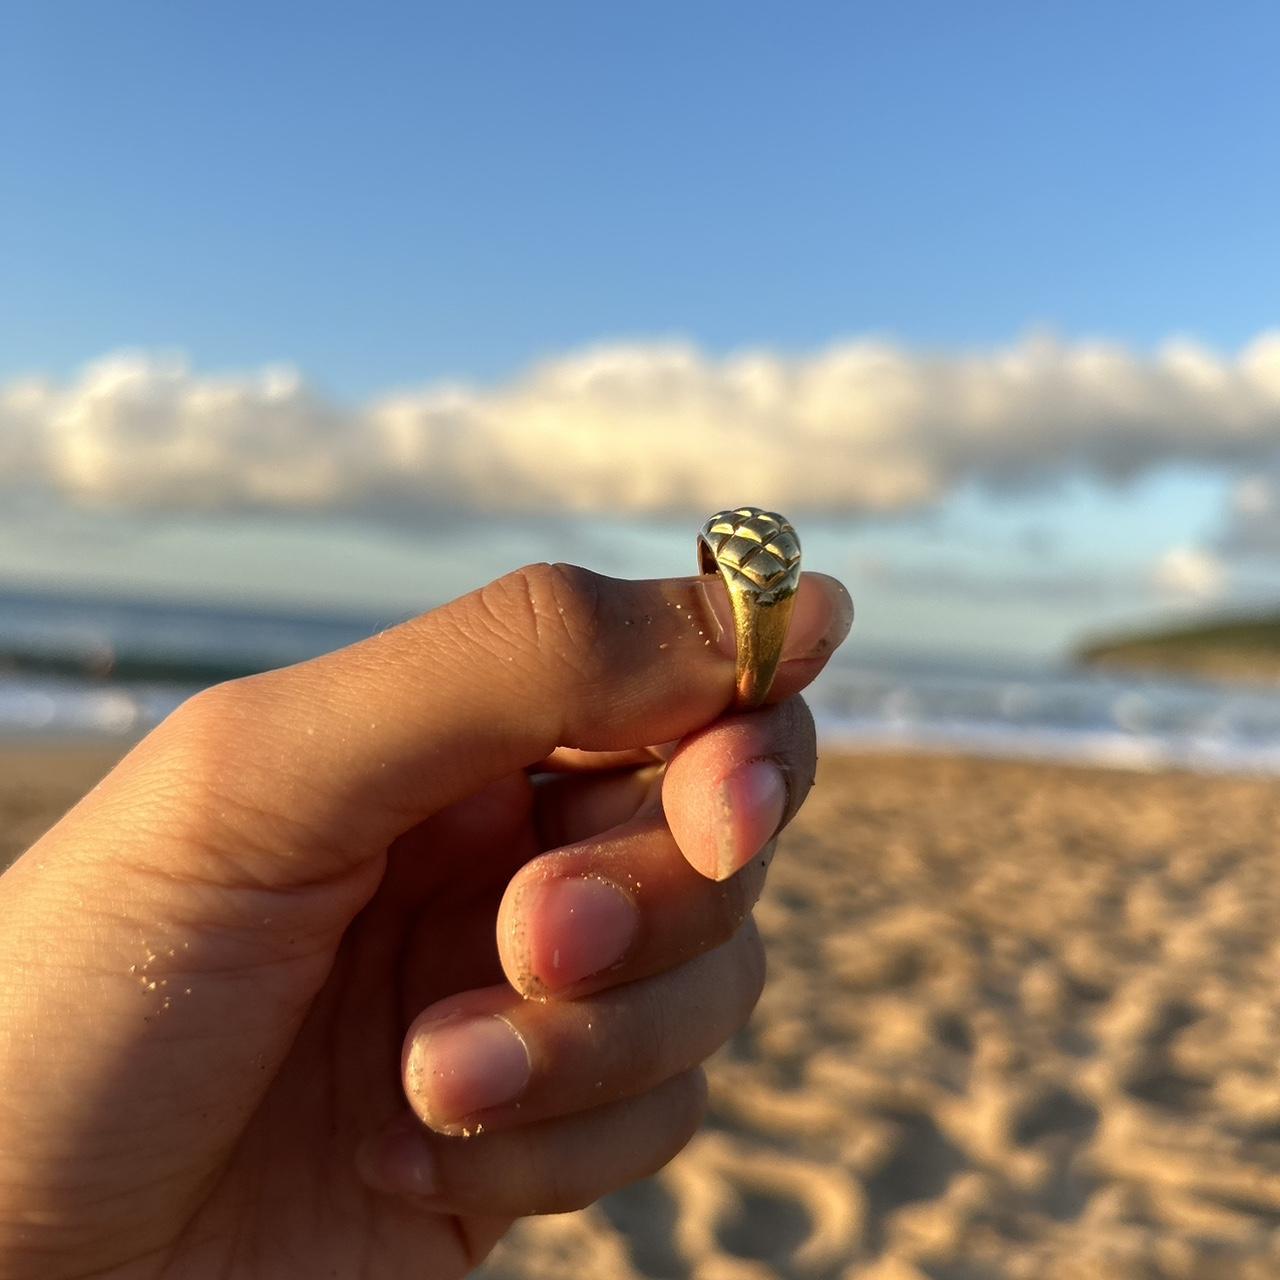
1022	1021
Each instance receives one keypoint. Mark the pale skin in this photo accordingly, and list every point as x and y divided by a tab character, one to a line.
347	966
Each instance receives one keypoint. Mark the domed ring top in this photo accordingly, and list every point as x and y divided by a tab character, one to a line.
757	553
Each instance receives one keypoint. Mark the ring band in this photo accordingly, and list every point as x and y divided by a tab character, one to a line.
757	553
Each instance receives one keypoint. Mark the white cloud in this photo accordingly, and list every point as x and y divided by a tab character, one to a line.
1254	496
144	430
1251	527
861	427
1189	572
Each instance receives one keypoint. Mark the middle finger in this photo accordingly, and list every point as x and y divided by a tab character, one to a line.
638	898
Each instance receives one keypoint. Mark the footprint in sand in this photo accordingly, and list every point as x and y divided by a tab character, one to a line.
746	1212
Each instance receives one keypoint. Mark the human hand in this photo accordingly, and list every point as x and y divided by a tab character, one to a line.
239	977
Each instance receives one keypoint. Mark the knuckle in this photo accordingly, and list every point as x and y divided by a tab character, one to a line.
191	744
643	1054
686	1100
754	970
736	971
197	739
562	1196
559	605
651	1129
218	705
796	753
799	723
555	1186
732	900
517	1173
224	805
695	1098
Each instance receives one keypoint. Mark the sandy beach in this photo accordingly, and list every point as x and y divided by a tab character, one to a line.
1022	1021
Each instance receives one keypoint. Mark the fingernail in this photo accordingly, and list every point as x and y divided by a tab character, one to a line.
399	1160
753	799
459	1066
579	927
821	618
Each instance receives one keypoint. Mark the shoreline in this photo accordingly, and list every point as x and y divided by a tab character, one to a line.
1122	752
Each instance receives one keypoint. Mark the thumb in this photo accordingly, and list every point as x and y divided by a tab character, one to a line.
341	754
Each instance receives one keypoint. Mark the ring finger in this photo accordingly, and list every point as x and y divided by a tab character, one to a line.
489	1058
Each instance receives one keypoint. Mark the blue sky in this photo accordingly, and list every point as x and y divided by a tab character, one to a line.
397	195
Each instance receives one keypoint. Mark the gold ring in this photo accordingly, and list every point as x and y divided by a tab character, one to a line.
757	553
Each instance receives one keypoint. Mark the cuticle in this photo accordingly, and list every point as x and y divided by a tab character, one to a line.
524	1044
790	806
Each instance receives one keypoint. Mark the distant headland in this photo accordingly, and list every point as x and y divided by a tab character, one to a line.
1245	649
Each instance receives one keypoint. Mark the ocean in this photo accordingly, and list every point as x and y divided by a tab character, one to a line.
78	666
